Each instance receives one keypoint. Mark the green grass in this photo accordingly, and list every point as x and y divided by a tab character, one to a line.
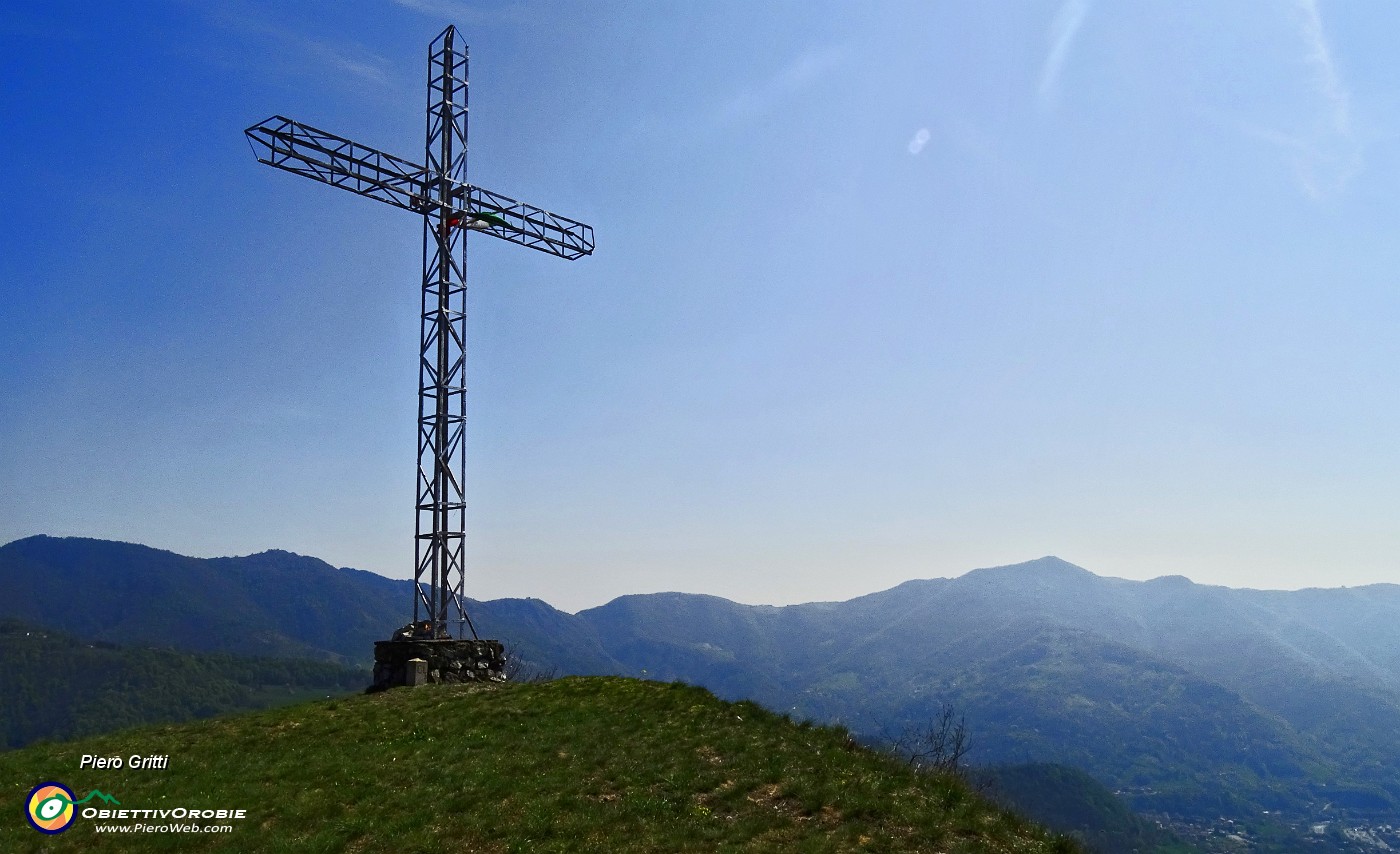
578	764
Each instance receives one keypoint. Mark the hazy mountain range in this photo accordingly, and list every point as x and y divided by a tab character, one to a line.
1191	700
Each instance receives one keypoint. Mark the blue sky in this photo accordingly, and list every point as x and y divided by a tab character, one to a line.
882	290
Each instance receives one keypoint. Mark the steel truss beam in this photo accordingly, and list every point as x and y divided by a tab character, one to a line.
286	144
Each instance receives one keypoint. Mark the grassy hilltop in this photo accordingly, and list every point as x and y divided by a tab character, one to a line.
579	764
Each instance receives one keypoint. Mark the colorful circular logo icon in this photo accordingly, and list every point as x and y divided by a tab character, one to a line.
49	808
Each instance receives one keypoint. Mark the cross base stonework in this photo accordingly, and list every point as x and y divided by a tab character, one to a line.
411	662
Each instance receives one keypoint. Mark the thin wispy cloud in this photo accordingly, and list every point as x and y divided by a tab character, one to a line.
921	138
1063	30
291	46
1333	156
1325	78
799	74
1325	152
361	64
459	12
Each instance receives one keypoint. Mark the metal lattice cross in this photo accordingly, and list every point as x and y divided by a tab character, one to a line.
439	192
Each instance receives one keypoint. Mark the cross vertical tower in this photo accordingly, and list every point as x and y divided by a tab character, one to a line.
439	192
440	530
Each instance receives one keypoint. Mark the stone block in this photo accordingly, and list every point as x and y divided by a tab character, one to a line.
432	660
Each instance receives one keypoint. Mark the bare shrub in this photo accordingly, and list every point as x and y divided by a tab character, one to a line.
938	745
518	669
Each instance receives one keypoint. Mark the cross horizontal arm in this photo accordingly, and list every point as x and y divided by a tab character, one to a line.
343	163
337	161
526	224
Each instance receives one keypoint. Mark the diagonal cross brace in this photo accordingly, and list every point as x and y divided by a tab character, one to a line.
340	162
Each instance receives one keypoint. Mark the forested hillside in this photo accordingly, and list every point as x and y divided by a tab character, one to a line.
60	687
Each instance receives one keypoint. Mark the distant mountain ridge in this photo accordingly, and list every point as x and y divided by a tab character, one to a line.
1191	699
1262	696
273	603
